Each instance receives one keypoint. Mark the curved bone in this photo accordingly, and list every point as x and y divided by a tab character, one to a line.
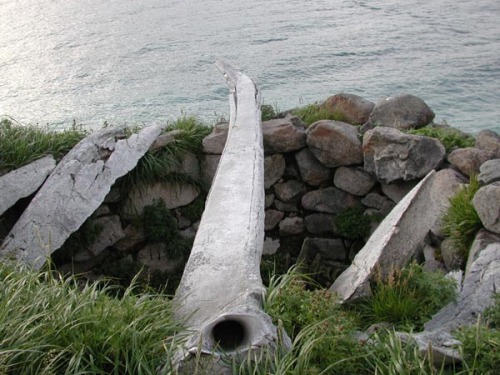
221	289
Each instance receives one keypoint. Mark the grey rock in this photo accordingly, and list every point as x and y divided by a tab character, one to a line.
489	141
110	234
320	223
468	160
102	210
352	108
481	241
114	195
269	200
327	248
208	166
452	257
188	165
274	167
401	112
287	207
283	135
489	172
486	201
392	155
74	190
374	200
398	189
399	237
273	217
271	246
353	180
334	143
164	139
431	263
312	171
155	257
289	191
328	200
132	238
214	143
291	226
24	181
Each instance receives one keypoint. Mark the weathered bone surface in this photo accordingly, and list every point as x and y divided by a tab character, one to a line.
221	289
74	190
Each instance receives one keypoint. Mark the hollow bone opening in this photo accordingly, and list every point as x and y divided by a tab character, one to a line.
229	335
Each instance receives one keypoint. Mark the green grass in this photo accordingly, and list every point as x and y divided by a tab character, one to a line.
52	325
22	144
352	223
461	222
313	112
450	138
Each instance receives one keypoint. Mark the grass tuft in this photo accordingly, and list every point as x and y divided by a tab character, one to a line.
313	112
449	137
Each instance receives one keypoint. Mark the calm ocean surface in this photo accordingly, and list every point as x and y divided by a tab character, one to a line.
141	61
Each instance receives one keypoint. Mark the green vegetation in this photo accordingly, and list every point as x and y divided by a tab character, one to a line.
313	112
52	325
450	138
194	210
268	112
407	298
23	144
352	223
461	222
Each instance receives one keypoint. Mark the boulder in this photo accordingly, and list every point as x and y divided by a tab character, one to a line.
453	258
110	234
489	141
164	139
174	195
353	180
269	200
320	223
188	165
271	246
334	143
273	217
327	248
468	160
133	237
375	200
400	112
489	172
353	109
284	206
208	166
289	191
74	190
24	181
398	189
311	170
487	204
481	241
283	135
393	155
214	142
274	167
155	257
328	200
292	226
400	235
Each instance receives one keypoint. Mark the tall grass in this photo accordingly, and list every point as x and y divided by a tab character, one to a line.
313	112
51	325
22	144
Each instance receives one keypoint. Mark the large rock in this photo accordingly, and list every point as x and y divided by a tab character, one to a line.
272	218
164	139
214	142
489	172
110	234
328	200
401	112
488	140
24	181
479	288
353	180
399	236
289	191
482	240
327	248
393	155
468	160
320	223
291	226
311	170
354	109
398	189
283	135
74	190
487	204
208	166
274	167
334	143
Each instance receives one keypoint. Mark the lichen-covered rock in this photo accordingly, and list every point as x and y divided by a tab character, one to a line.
487	204
311	170
489	141
354	109
468	160
489	172
353	180
214	143
334	143
283	135
73	191
24	181
289	191
392	155
400	112
328	200
274	167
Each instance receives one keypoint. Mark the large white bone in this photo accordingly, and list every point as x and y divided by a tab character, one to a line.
221	290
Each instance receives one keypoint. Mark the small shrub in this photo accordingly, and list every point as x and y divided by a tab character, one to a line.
449	137
461	222
407	298
313	112
159	223
194	210
268	112
352	223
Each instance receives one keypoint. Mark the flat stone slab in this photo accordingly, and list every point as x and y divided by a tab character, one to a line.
74	190
24	181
